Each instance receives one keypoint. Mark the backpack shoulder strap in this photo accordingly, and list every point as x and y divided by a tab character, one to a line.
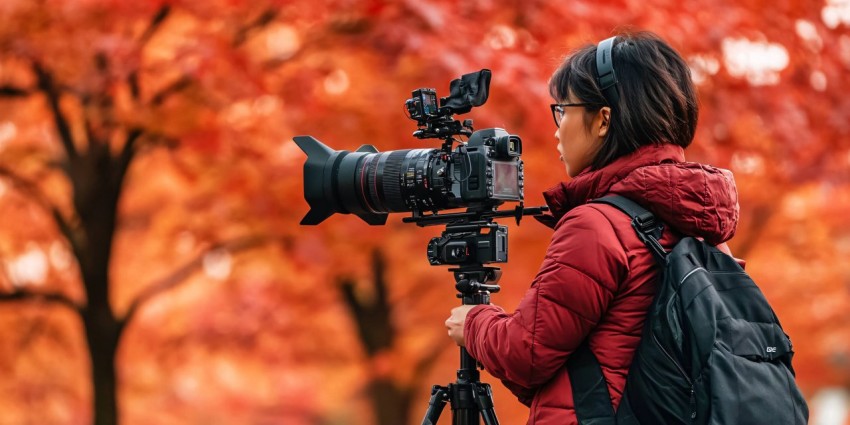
647	227
590	391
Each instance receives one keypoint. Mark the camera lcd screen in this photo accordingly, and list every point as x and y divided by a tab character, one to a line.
505	180
429	103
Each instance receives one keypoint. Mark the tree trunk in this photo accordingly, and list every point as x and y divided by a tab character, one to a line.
102	334
390	403
102	328
390	400
96	194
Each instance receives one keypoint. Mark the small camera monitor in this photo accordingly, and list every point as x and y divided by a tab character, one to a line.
429	103
506	180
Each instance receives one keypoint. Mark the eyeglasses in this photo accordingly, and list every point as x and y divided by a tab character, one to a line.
558	110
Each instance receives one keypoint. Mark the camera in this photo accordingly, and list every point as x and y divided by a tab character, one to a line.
460	247
479	174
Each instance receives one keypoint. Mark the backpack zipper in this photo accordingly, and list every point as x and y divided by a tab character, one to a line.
693	404
675	363
692	398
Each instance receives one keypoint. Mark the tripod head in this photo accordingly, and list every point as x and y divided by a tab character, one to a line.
476	283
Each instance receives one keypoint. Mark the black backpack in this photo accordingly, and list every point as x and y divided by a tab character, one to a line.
712	349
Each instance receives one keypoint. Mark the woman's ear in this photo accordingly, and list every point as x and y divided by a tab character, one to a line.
604	118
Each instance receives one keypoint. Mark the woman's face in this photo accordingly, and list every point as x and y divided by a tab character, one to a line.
578	143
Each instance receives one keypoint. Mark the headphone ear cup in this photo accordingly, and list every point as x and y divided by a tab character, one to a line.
606	77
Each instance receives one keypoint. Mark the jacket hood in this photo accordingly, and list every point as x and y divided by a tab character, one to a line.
695	199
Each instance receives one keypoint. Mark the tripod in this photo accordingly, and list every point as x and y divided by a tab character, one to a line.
464	244
468	396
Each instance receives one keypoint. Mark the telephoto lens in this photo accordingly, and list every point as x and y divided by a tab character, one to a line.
366	182
485	172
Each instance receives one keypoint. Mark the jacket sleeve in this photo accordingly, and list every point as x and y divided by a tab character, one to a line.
584	264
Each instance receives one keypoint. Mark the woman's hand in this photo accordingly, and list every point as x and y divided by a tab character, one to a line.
455	323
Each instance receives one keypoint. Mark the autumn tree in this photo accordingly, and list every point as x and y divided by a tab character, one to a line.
150	188
107	98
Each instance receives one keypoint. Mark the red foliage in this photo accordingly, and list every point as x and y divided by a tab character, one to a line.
251	327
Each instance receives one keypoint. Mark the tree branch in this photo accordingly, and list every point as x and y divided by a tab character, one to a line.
181	274
12	91
127	153
154	25
133	82
35	194
372	314
99	105
176	86
90	130
45	298
160	140
264	19
46	86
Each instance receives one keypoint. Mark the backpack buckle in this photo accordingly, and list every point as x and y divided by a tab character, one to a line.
645	220
649	232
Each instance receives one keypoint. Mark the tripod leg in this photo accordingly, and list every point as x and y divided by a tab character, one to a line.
484	401
439	396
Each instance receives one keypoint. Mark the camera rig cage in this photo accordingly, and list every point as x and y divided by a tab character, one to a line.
463	241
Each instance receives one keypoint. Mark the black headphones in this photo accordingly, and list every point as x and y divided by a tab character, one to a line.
606	77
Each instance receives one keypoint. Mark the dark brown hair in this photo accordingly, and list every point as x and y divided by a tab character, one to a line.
658	102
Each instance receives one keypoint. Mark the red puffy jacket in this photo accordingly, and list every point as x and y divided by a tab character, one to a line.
597	279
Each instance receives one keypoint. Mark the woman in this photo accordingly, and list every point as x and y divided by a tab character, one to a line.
597	279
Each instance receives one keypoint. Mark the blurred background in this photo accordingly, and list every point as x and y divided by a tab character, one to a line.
152	268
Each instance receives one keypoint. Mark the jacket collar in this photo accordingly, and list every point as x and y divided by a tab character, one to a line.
592	184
